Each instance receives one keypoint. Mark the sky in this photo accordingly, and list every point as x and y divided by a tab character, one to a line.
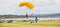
41	7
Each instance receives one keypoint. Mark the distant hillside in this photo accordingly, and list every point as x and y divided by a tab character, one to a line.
48	15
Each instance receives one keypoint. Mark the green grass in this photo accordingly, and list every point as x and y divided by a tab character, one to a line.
28	24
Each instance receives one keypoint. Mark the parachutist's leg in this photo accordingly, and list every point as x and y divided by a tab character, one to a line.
27	17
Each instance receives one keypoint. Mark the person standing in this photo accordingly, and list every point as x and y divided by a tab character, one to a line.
36	19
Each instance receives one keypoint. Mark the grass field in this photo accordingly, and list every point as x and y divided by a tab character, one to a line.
55	23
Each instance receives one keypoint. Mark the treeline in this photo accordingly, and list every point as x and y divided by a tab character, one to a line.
15	16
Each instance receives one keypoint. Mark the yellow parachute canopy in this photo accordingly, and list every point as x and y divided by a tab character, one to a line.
28	4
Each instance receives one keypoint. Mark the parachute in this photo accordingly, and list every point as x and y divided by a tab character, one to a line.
28	4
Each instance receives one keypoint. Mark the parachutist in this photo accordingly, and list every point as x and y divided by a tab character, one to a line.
27	16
